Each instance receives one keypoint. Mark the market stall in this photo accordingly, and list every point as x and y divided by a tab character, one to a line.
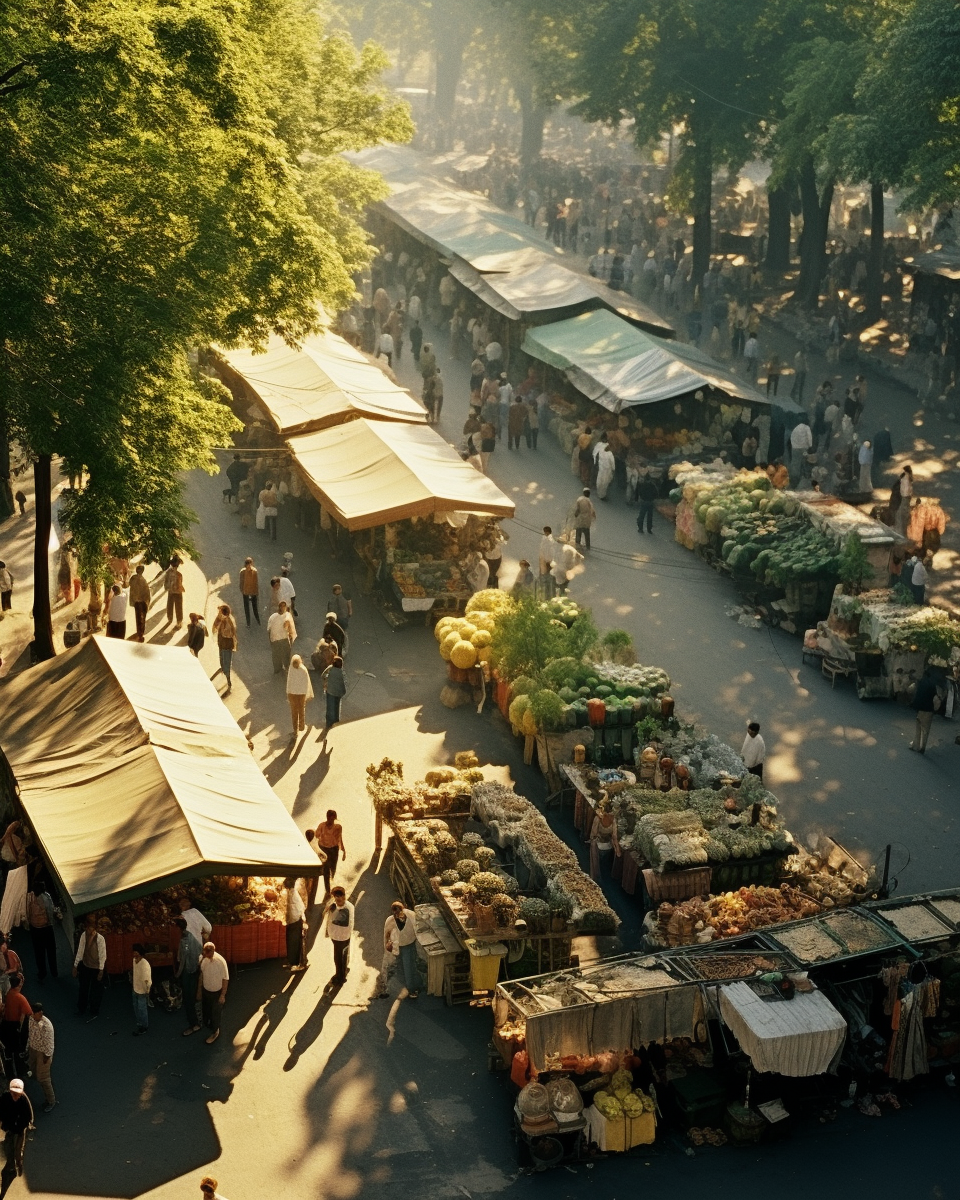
371	475
153	788
485	860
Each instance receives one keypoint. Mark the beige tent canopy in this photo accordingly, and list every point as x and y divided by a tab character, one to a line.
133	776
370	472
324	383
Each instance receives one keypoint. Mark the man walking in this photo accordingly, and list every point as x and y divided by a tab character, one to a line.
924	705
16	1012
295	910
90	960
236	473
754	750
282	634
339	928
142	982
212	990
751	355
584	515
250	590
197	923
40	1054
647	495
173	586
140	599
188	973
341	605
42	933
799	375
6	587
16	1117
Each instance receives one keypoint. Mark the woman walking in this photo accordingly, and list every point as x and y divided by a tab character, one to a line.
225	627
906	496
865	459
299	691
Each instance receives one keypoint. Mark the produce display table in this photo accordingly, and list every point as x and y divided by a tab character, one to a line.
618	1134
251	942
436	944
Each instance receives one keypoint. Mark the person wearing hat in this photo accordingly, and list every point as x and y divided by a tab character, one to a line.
208	1188
333	631
338	927
525	583
16	1118
212	988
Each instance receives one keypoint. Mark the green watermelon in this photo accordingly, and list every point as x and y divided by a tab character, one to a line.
602	691
567	695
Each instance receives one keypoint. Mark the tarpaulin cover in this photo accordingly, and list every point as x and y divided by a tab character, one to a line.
797	1037
325	383
619	366
133	775
944	262
367	473
504	262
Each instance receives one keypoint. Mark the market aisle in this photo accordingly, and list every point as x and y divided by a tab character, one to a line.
839	765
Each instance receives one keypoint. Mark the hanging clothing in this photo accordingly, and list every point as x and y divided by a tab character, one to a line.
908	1049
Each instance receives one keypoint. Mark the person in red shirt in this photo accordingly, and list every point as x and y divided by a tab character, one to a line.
16	1012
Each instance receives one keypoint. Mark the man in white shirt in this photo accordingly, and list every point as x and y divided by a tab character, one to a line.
286	590
142	982
117	613
493	353
282	634
918	581
339	929
754	750
40	1054
801	442
399	944
212	988
751	354
548	554
197	923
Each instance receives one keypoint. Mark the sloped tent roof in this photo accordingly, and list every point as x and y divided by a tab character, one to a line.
134	776
370	472
496	255
324	383
944	262
618	366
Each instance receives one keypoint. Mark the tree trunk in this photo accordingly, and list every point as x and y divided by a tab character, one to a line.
451	36
813	239
778	239
533	118
874	288
42	648
702	201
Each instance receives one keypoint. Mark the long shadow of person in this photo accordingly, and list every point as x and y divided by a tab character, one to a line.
311	1029
272	1014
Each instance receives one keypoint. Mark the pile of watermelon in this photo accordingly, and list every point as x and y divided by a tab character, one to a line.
629	693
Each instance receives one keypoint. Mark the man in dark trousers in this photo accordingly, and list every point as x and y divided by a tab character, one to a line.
647	495
924	705
16	1118
236	473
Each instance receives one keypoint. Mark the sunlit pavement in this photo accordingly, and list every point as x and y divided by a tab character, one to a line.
303	1095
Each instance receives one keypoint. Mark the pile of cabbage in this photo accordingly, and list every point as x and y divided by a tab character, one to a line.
620	1099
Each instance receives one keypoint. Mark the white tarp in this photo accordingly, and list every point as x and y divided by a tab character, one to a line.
797	1037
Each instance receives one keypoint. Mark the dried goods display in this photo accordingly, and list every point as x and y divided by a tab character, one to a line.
735	966
949	907
727	915
857	932
916	922
444	790
809	943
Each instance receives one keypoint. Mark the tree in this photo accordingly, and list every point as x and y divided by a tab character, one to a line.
155	200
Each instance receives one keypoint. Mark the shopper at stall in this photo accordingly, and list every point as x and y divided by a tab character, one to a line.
338	927
40	1054
604	842
282	633
140	599
647	494
518	417
197	923
399	943
40	918
88	967
801	441
477	572
294	913
286	590
754	750
330	836
525	583
334	689
142	981
189	950
568	563
212	989
584	516
493	557
333	631
584	452
299	692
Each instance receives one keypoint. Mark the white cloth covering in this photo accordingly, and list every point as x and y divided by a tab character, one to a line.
797	1037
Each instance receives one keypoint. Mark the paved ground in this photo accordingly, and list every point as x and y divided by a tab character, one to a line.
304	1095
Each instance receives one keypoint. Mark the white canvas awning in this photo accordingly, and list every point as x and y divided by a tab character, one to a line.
324	383
368	473
619	366
134	776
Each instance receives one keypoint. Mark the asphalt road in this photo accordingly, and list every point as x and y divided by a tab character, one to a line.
306	1094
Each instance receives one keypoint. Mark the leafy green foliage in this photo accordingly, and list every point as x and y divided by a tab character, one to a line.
528	638
854	566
